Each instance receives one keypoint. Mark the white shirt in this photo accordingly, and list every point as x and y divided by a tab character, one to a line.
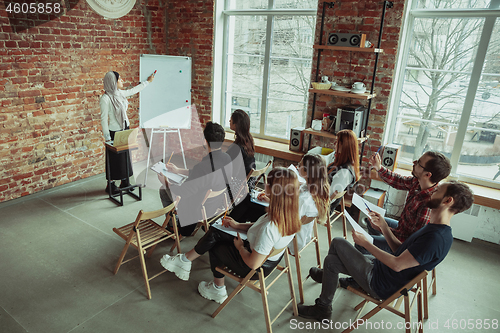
108	119
340	180
307	207
264	235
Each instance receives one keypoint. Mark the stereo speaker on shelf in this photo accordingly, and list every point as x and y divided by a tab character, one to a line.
390	156
345	39
296	138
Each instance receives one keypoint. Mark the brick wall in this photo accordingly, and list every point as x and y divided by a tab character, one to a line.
348	67
51	70
51	79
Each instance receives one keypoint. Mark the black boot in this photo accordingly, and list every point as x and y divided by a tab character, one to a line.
114	189
316	274
317	311
125	183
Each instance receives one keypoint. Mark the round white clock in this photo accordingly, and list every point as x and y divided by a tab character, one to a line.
111	9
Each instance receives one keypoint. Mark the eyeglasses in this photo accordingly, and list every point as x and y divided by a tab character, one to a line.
418	162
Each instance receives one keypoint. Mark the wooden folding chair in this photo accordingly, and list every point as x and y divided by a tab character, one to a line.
206	221
335	215
262	286
415	285
427	288
145	234
259	174
297	252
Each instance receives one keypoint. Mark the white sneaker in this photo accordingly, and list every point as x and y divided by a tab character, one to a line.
210	292
176	265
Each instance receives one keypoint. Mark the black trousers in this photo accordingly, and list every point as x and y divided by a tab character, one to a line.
222	252
118	163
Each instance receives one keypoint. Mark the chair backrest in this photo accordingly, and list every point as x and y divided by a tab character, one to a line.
213	194
259	173
143	216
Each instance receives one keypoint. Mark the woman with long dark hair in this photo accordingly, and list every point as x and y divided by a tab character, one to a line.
244	145
343	172
243	141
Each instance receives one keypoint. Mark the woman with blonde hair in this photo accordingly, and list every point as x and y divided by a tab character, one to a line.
314	197
275	230
343	172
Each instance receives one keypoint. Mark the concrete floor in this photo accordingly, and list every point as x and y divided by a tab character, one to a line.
59	251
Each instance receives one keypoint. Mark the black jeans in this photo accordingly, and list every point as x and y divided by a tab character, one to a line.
222	252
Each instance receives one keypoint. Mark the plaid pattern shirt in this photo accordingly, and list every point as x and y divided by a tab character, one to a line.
415	212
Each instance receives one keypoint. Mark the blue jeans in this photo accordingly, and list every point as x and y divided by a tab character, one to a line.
379	239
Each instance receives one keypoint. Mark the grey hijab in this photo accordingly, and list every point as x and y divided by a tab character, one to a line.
119	101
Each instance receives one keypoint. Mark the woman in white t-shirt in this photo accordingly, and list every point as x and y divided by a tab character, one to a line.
313	198
275	230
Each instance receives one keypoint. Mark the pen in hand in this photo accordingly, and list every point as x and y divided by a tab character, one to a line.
369	210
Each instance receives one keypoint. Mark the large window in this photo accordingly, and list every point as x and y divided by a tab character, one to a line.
447	90
267	63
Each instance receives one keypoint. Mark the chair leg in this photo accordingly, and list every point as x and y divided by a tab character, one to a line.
264	301
143	266
434	289
344	226
124	252
329	232
419	305
290	283
407	314
298	267
425	296
235	292
316	244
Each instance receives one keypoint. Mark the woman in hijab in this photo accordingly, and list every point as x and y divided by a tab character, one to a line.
114	118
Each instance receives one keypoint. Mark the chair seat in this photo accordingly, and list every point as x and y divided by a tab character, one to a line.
151	233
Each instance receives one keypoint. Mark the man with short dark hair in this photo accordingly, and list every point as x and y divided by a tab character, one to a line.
381	273
428	171
212	173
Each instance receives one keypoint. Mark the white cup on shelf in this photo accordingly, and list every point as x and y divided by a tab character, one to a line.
358	86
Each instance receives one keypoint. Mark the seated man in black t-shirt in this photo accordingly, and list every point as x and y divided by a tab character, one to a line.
213	172
381	274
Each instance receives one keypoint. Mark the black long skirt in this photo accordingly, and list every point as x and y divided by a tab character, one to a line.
118	163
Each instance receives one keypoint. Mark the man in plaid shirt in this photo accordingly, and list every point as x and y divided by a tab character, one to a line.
427	172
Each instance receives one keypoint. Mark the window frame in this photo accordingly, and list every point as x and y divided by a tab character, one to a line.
222	35
411	13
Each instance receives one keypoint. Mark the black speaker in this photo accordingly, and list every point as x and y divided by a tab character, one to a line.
344	39
296	138
390	156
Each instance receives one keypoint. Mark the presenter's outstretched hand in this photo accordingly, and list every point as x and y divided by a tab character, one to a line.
151	78
375	161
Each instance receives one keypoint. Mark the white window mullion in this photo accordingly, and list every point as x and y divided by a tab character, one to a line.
482	48
267	68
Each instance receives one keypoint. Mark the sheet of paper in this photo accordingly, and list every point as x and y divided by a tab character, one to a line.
218	225
161	169
294	169
357	227
362	203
